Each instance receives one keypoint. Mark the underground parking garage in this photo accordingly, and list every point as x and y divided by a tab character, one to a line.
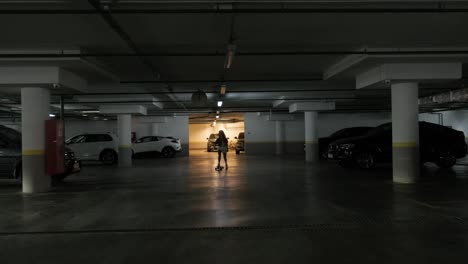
344	123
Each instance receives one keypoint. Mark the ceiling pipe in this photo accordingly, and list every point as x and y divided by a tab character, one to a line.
454	96
313	79
211	10
106	15
70	95
143	55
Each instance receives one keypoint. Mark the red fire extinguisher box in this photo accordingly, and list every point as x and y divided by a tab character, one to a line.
55	149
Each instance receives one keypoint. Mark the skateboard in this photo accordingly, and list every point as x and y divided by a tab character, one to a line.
219	168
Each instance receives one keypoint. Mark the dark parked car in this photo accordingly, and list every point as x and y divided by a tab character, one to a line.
438	144
240	143
10	156
211	144
342	133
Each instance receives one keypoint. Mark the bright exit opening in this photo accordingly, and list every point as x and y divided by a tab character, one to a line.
204	128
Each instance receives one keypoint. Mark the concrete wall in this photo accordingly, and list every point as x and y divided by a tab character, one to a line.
457	120
199	132
260	135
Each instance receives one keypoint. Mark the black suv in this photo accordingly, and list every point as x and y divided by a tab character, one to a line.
438	144
342	133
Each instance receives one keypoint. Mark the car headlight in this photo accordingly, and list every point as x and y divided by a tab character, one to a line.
347	146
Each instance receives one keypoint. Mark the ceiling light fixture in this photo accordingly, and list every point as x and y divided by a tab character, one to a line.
51	115
231	51
217	116
90	111
85	115
220	103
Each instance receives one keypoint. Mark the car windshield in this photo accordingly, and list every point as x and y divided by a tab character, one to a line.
339	133
76	139
378	130
10	135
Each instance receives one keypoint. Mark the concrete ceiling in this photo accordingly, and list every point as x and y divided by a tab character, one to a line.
281	54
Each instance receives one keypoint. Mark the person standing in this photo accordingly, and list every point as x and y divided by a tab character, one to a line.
222	143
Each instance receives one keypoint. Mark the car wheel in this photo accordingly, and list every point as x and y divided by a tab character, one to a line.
108	157
168	152
446	160
365	160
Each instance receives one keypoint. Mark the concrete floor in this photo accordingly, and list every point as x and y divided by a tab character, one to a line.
262	210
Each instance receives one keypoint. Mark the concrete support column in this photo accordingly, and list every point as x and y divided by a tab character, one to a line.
279	137
125	140
155	129
405	132
34	111
311	141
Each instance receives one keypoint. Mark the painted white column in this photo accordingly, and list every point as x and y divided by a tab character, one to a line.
279	137
125	140
405	132
155	129
311	141
34	112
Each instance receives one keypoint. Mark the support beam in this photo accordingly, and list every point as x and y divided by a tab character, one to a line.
125	140
311	106
42	76
123	109
405	132
383	74
311	140
34	110
279	137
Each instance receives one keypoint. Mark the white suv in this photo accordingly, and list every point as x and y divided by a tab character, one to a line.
167	146
100	147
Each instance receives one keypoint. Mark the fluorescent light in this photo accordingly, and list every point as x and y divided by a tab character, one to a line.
90	112
105	119
220	103
231	50
85	115
51	115
217	116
